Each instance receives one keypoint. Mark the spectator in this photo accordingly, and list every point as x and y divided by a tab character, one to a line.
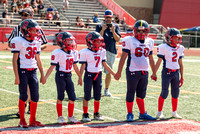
4	3
81	23
40	8
77	20
20	7
18	2
26	4
88	23
50	9
95	18
111	34
34	6
49	16
129	31
14	7
42	17
65	4
117	19
123	23
5	18
56	17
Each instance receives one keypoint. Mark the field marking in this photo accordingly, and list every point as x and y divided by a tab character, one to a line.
51	102
93	125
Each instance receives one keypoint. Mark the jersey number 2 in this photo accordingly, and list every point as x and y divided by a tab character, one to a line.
174	58
31	52
69	63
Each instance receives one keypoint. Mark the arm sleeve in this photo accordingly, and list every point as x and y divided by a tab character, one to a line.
98	28
54	58
160	51
125	45
104	56
13	34
75	57
117	30
182	52
82	57
151	47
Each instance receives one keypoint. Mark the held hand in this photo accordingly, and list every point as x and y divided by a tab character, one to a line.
181	82
42	80
117	76
154	77
17	81
80	82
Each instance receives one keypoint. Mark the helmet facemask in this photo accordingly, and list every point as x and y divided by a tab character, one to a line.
69	44
141	32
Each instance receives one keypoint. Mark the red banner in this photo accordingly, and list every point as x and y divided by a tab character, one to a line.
110	4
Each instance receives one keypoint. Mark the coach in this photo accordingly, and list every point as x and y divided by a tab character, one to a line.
111	34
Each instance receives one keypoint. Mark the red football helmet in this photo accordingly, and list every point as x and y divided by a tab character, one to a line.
66	40
173	37
27	26
141	29
94	40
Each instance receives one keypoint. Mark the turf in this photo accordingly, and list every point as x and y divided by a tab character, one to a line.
114	108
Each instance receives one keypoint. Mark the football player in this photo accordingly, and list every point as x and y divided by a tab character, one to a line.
171	53
26	60
65	59
92	59
139	50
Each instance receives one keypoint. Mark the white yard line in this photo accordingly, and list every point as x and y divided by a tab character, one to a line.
105	117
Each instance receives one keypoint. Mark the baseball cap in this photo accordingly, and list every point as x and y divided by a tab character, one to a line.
108	13
26	11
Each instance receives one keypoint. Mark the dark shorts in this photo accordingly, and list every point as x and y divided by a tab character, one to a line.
64	82
136	82
89	82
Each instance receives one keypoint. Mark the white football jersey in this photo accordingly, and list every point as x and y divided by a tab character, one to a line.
138	53
27	51
92	59
170	55
64	60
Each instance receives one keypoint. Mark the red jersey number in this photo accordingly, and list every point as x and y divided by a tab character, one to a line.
174	58
138	52
97	58
31	52
69	63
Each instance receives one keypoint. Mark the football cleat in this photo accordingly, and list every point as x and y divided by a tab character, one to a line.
107	93
61	120
86	117
73	120
129	117
175	115
146	117
98	116
160	116
35	124
23	124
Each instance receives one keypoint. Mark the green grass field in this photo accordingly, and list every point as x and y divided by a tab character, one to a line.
114	108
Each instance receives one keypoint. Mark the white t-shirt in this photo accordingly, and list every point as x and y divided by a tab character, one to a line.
170	55
92	59
27	51
138	57
64	60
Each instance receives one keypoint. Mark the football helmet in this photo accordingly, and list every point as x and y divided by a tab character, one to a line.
173	37
66	40
94	40
141	29
27	26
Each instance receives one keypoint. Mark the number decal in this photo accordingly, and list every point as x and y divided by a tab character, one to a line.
69	63
174	58
97	58
138	52
31	52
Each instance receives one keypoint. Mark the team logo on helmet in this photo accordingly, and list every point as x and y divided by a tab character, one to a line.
66	40
94	41
173	37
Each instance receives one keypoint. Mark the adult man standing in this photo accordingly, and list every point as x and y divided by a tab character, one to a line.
111	34
26	14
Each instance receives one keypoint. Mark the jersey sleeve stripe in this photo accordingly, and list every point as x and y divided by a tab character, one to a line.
82	62
14	51
125	50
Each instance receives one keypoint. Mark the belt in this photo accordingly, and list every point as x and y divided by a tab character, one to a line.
30	69
172	70
97	73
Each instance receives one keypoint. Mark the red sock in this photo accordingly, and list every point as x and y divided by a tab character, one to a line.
140	103
33	109
96	106
70	109
85	110
129	106
174	104
59	109
160	103
21	109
